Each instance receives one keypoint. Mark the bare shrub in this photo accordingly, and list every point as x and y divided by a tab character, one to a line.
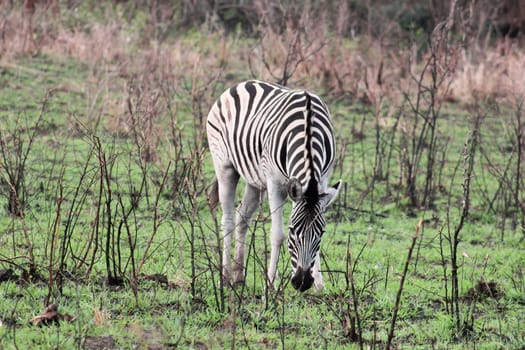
421	95
501	161
288	46
15	146
144	110
451	233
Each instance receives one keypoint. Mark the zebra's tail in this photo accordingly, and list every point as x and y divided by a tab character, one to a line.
212	194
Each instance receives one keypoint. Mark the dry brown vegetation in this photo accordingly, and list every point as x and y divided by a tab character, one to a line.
344	49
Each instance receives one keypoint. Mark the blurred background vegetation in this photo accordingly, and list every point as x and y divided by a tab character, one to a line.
337	44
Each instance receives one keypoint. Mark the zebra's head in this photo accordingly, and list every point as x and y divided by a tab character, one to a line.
307	225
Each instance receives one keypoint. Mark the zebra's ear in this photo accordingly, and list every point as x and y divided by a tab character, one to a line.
295	190
329	196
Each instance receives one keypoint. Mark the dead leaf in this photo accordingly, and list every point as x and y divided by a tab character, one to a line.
51	315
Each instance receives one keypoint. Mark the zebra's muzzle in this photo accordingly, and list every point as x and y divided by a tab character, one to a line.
302	280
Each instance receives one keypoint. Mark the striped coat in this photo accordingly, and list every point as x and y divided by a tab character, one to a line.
280	141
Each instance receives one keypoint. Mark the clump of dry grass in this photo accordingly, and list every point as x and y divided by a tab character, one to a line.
104	42
101	316
16	30
496	74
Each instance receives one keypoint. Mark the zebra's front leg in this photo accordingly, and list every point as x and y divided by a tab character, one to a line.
316	273
249	204
227	180
276	198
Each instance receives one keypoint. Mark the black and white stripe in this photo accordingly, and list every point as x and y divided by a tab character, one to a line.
280	140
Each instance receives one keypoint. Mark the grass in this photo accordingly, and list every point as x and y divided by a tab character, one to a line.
174	300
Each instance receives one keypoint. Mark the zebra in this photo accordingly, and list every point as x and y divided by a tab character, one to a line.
280	141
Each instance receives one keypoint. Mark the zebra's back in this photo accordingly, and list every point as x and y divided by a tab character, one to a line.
265	130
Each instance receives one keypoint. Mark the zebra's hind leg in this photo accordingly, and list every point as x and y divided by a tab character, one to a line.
250	203
227	179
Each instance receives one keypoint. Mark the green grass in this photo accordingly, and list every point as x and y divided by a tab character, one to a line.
168	315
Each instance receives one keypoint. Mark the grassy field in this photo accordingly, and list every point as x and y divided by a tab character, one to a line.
104	170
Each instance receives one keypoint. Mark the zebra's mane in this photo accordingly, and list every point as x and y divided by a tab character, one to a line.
312	192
